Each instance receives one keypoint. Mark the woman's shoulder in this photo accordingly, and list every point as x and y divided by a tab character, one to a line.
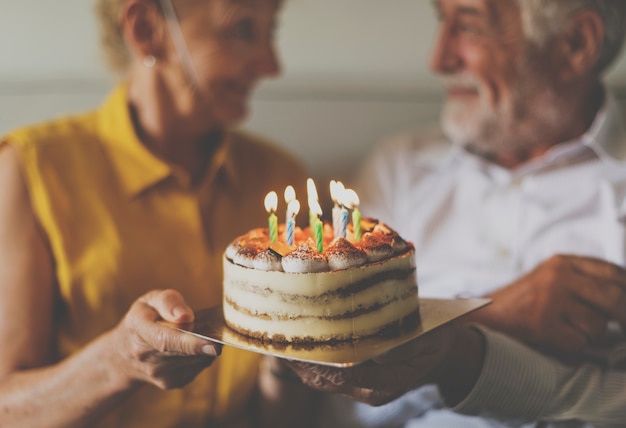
55	134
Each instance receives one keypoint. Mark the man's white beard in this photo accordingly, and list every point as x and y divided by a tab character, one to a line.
512	124
466	124
475	122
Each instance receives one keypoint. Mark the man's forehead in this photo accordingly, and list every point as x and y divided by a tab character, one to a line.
253	4
490	8
476	5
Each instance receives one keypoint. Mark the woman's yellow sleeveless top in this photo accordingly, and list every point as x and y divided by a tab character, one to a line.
121	222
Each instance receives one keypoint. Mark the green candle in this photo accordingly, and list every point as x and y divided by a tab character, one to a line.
316	228
273	223
319	240
271	204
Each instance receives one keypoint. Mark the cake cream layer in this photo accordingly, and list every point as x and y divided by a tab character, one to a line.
336	305
269	304
315	329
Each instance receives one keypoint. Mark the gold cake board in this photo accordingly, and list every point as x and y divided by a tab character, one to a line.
209	324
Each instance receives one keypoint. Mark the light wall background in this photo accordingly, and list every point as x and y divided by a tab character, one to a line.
355	71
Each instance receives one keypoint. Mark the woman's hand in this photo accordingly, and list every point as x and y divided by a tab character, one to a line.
150	352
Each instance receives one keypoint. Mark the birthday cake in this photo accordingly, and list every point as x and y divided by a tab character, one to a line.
312	291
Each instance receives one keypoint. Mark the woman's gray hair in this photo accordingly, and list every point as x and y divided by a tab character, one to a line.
542	19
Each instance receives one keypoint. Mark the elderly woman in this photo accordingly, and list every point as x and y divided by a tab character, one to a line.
115	219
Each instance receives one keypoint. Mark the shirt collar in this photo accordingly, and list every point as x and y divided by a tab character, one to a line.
606	136
139	169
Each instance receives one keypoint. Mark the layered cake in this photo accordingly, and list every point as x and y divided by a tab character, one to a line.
297	294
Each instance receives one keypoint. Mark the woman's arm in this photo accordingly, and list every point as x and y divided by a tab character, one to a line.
36	388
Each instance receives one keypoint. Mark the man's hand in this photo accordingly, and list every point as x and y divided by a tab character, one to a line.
449	356
562	306
152	353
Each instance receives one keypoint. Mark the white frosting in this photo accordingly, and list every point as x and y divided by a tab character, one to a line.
245	256
304	259
375	249
341	254
232	249
267	261
390	237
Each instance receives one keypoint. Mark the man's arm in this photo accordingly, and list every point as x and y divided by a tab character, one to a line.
485	373
517	382
560	307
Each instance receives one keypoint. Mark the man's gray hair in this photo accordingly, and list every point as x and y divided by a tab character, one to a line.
542	19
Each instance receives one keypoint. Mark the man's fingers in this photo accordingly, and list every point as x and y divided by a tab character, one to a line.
169	304
587	320
567	339
607	297
432	344
596	268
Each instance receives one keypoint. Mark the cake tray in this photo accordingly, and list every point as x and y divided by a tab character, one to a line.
209	324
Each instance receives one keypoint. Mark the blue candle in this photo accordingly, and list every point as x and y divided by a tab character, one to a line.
292	211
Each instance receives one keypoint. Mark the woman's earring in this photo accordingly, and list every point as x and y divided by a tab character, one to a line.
149	61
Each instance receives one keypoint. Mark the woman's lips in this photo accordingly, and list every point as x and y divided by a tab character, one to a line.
459	91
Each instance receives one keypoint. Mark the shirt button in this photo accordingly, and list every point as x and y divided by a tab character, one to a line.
503	252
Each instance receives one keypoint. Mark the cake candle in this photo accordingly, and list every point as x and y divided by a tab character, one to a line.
352	201
271	204
290	194
336	194
292	211
316	228
312	198
319	241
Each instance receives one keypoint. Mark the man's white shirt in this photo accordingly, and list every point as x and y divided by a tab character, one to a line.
477	227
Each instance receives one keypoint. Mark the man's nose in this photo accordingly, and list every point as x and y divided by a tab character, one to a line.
445	57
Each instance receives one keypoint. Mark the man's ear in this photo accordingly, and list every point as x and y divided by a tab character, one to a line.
580	44
144	28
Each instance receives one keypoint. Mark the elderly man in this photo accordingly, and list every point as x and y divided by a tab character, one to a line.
523	200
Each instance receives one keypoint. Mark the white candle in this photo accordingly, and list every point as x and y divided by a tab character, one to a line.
334	197
292	211
352	202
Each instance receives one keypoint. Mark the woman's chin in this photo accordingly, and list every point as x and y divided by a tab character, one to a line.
232	116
